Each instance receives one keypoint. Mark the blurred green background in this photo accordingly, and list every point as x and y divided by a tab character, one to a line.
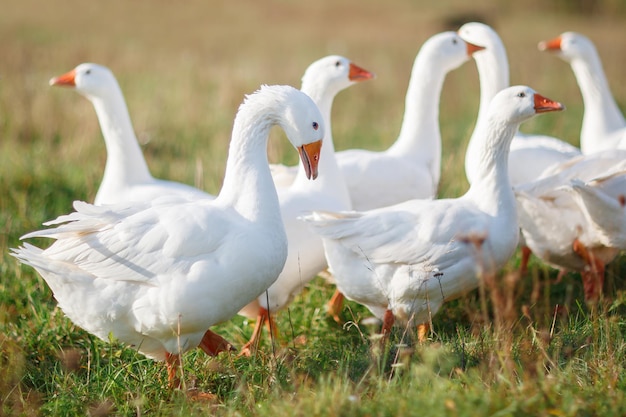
184	68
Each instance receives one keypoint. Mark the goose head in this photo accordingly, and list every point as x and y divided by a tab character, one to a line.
303	124
481	34
332	74
569	46
449	50
519	103
90	80
492	62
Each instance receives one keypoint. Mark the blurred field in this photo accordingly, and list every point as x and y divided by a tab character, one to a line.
184	68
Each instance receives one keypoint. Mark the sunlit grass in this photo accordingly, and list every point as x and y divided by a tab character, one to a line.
524	346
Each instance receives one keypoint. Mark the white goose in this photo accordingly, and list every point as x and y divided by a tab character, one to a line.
411	167
322	81
157	275
603	200
603	126
404	261
126	175
530	155
556	228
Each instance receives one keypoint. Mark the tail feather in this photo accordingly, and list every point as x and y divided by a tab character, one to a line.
54	271
321	215
85	220
331	224
27	254
32	256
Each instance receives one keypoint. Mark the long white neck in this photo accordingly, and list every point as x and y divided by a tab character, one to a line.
602	116
125	161
491	189
330	180
248	186
493	73
420	135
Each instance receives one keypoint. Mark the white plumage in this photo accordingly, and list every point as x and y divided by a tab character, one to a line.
530	154
126	174
409	258
322	80
603	201
554	224
157	275
603	126
411	167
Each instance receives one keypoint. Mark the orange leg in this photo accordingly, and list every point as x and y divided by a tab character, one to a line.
593	276
422	332
335	305
526	252
592	283
270	323
172	362
388	320
212	344
593	280
560	276
600	271
249	348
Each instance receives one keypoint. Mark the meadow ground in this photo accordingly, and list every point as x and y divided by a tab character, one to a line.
521	345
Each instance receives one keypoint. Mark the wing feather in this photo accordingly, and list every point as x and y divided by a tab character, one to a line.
409	233
127	243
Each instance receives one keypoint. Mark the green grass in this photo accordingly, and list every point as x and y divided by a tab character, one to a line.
524	346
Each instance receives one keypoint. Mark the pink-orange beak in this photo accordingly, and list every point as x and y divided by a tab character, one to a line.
544	105
359	74
471	48
551	45
310	156
68	79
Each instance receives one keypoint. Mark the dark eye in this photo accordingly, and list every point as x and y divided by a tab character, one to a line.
521	94
88	72
454	42
338	63
315	126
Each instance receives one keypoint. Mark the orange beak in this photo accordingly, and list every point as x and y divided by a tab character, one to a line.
67	79
471	48
544	105
551	45
359	74
310	156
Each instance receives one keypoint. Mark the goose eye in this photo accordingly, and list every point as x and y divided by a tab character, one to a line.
338	63
315	126
454	41
521	95
88	72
